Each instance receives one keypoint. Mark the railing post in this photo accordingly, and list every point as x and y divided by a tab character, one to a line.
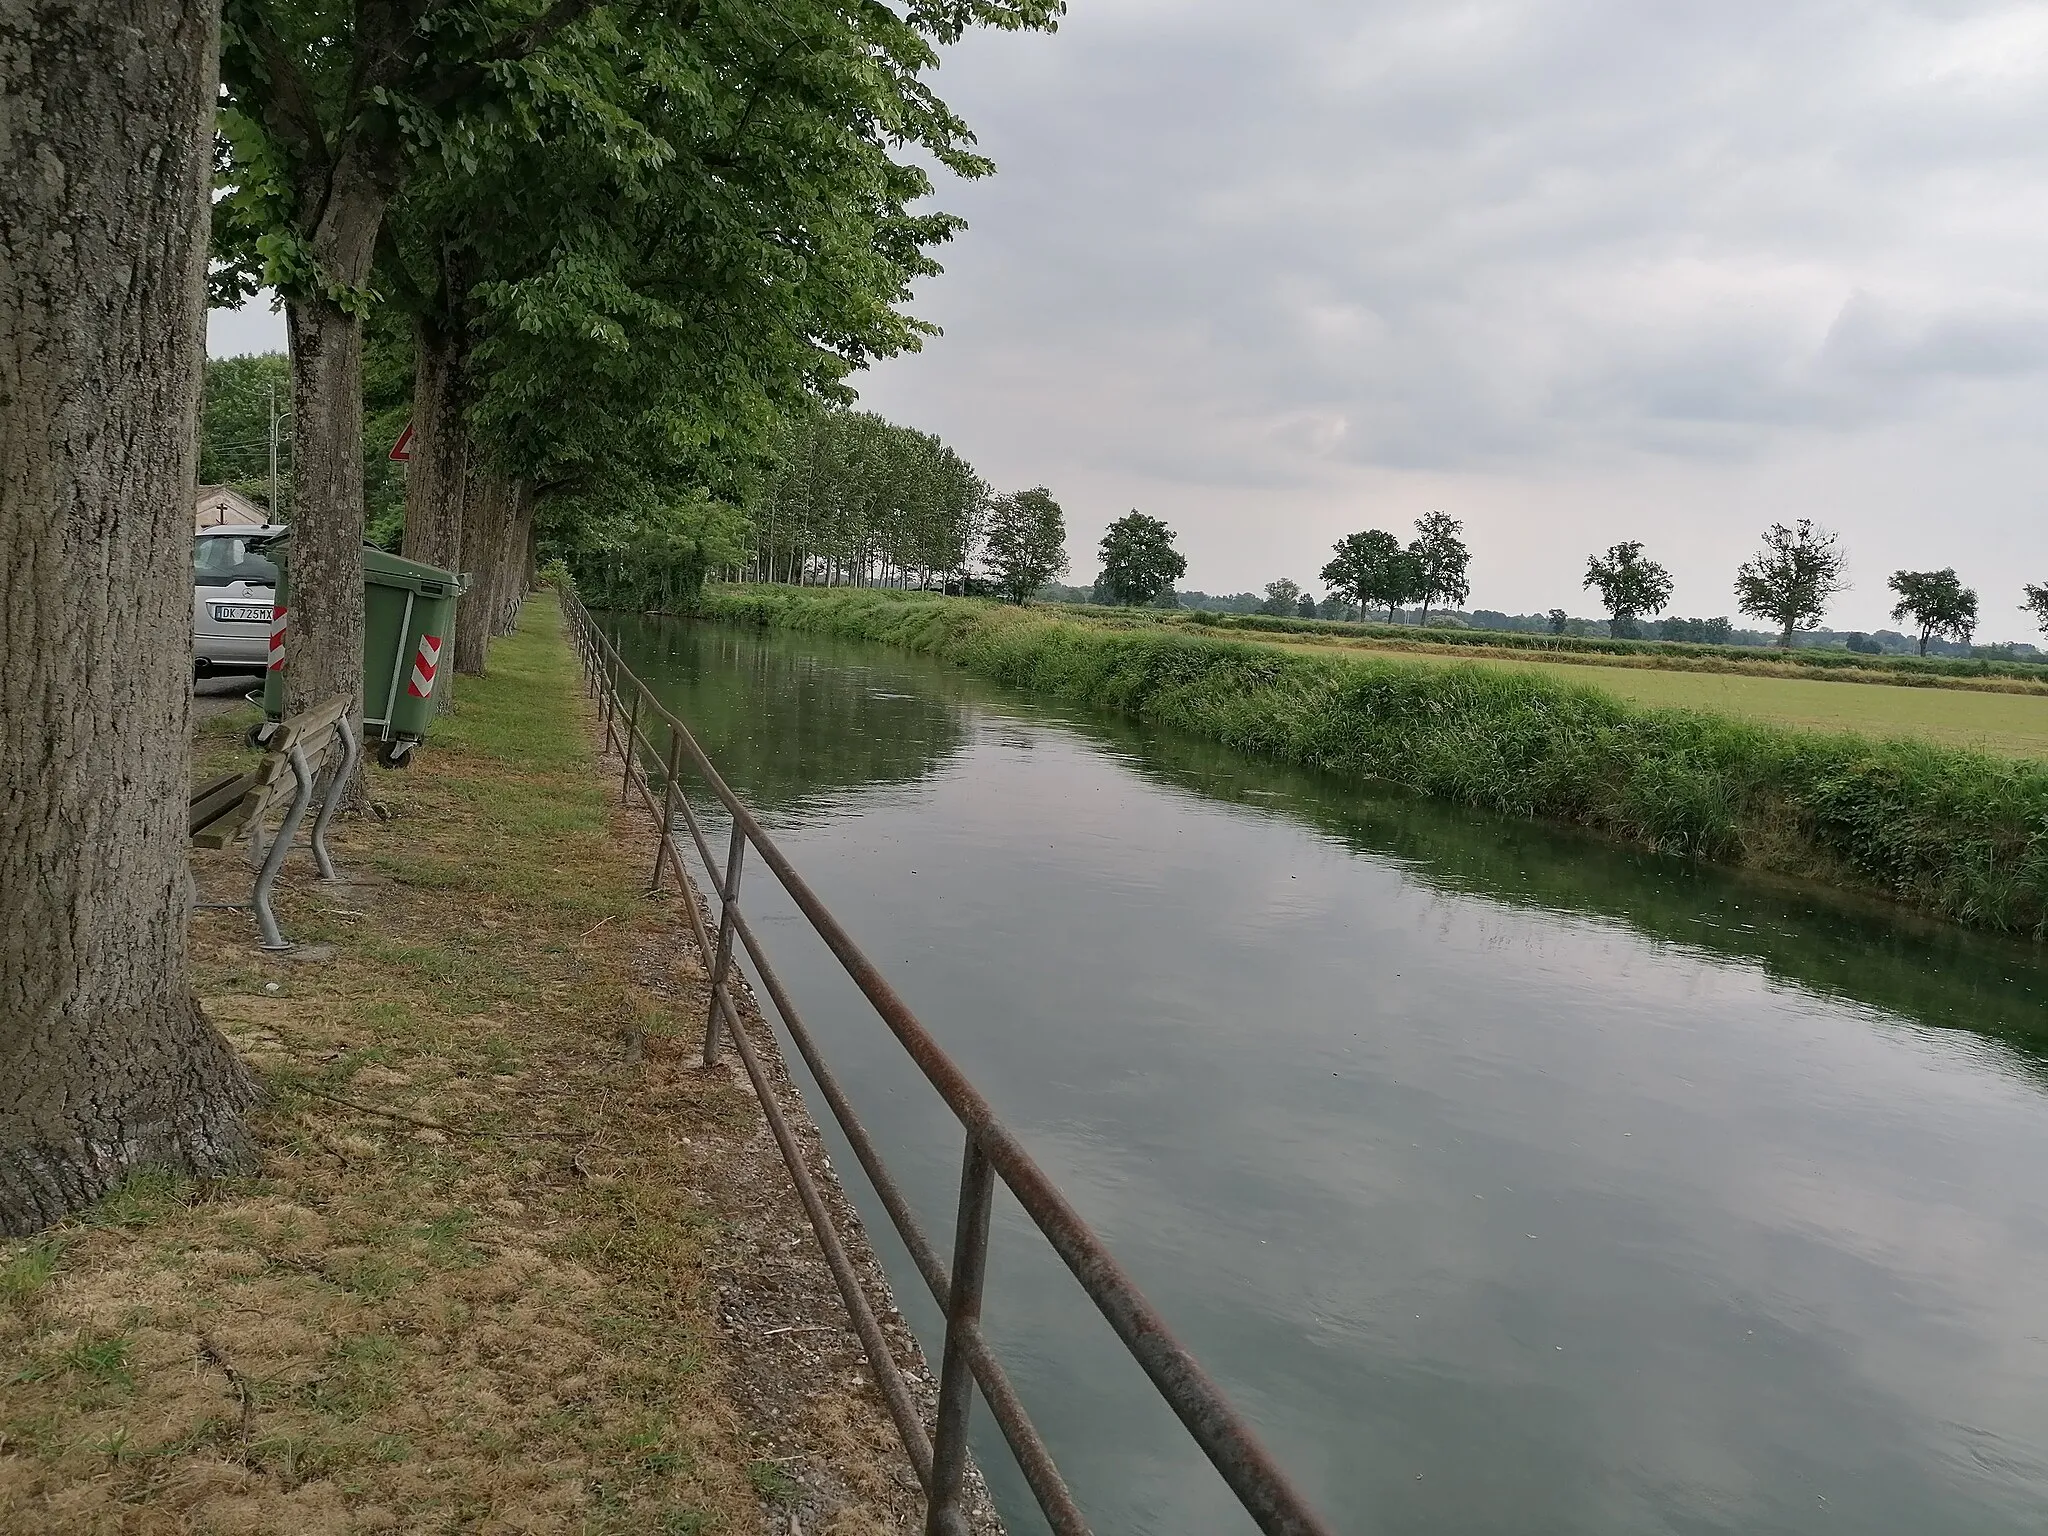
729	897
630	748
668	806
943	1514
607	697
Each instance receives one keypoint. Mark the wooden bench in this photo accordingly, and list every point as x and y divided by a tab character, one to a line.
236	804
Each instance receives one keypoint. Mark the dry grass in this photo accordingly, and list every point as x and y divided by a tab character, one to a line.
476	1285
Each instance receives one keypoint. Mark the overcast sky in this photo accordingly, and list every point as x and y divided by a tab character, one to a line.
1572	270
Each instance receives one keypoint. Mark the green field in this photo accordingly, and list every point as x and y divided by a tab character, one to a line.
2008	724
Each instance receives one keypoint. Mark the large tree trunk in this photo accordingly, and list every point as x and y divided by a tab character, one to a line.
324	634
486	513
107	1064
440	447
324	639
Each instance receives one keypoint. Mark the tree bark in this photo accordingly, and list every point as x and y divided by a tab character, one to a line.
324	638
440	446
485	516
107	1064
511	587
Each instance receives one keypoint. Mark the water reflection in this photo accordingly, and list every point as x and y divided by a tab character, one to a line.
835	719
1512	1182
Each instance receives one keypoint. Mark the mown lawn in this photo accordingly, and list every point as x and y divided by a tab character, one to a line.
2008	724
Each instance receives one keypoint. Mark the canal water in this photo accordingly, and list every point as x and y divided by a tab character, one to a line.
1510	1182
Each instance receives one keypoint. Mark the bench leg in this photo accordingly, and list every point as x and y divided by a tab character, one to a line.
280	845
337	784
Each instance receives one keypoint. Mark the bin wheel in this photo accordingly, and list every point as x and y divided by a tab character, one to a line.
259	733
396	754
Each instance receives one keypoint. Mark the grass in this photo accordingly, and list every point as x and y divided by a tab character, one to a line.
1844	665
505	1325
2006	723
1958	833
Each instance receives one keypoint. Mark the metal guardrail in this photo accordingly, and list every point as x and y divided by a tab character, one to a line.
938	1455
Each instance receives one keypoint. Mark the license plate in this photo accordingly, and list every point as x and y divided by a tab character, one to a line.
252	613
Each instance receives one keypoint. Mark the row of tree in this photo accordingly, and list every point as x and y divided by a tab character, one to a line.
1790	581
619	246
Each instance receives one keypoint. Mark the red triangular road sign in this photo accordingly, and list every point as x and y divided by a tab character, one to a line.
401	451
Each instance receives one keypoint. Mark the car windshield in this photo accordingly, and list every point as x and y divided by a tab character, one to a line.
225	557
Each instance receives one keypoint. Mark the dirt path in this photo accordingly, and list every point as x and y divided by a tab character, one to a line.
514	1261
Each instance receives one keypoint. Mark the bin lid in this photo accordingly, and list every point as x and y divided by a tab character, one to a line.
388	570
383	569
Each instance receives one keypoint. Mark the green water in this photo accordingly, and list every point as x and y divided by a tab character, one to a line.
1510	1182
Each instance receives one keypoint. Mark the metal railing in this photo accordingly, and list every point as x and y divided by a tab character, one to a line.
632	718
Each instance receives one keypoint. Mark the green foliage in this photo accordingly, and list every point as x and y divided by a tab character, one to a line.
239	394
1440	560
1025	542
853	497
1716	631
650	553
1283	597
1373	570
1937	602
1629	585
1792	577
1953	832
237	399
1139	562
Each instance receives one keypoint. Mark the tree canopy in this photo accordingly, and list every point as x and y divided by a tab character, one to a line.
1372	569
2036	604
1139	562
653	231
1791	579
1283	597
1025	542
1440	560
1630	586
1937	602
852	497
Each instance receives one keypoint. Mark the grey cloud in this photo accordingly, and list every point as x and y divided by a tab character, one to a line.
1472	236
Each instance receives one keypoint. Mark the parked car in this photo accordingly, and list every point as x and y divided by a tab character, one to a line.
232	588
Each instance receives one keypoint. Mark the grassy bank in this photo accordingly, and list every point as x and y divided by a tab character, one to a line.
488	1275
1956	833
2004	718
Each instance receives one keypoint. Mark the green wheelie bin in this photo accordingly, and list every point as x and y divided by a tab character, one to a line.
408	629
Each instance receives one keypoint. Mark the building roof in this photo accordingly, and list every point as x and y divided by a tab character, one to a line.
223	506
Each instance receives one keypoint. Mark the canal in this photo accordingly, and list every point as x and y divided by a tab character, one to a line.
1509	1181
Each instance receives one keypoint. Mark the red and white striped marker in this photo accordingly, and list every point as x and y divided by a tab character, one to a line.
277	638
423	665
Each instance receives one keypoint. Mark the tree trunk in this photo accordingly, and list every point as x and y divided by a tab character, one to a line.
324	634
511	587
1785	640
324	640
485	511
107	1064
440	446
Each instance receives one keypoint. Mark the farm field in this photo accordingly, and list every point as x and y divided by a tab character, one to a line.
2008	724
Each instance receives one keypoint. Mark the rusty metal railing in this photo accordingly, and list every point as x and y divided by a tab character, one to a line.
633	718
